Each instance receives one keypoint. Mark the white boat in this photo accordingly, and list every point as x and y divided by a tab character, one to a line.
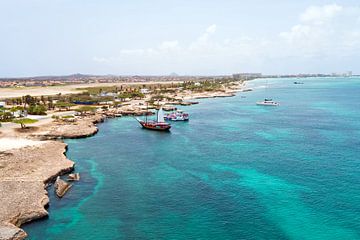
267	102
179	115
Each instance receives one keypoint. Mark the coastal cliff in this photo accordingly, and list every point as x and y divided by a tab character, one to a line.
27	171
24	174
84	127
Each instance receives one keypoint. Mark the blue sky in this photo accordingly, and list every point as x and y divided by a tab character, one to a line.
43	37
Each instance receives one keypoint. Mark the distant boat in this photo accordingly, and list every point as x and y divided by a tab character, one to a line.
158	125
267	102
298	83
179	115
247	90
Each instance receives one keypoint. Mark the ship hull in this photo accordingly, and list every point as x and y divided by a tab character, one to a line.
155	126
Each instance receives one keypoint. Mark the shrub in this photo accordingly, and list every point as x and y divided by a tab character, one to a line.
37	109
23	121
84	109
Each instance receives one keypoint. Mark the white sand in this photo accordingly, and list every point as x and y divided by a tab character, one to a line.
11	143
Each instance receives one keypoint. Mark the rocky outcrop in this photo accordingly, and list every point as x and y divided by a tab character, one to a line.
74	177
84	126
11	232
136	112
24	174
61	187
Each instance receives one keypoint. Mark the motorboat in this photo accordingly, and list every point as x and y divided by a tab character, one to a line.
178	115
267	102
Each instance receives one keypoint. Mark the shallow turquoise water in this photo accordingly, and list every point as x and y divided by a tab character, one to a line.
234	171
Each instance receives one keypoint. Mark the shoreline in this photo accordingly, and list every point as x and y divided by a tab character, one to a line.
37	195
29	171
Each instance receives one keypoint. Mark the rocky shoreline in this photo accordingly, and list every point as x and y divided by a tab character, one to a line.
23	179
26	172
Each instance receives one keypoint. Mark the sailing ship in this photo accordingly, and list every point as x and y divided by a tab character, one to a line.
158	125
267	101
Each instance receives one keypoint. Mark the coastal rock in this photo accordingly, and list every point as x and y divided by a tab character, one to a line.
186	103
169	108
61	187
11	232
83	127
136	113
24	175
74	177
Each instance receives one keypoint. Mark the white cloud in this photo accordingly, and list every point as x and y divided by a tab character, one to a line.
211	29
322	33
169	45
320	14
203	39
137	52
100	59
329	30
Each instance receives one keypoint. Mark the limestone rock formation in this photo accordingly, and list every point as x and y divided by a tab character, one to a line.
61	187
24	174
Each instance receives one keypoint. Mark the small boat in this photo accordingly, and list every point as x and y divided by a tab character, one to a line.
179	115
267	102
247	90
298	83
158	125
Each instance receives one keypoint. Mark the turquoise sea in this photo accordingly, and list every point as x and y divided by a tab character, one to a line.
234	171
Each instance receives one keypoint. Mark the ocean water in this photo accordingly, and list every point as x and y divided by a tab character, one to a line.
234	171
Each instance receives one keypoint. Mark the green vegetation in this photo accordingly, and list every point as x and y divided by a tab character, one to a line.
98	90
101	95
134	94
6	116
204	86
67	116
38	109
64	105
157	98
86	109
24	121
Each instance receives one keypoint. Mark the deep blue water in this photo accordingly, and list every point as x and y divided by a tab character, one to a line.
234	171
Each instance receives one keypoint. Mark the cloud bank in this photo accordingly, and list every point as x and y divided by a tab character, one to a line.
322	34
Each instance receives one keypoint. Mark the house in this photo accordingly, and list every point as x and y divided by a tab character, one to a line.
2	104
107	94
144	91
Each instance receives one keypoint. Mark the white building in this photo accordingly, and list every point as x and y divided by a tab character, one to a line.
144	91
2	104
